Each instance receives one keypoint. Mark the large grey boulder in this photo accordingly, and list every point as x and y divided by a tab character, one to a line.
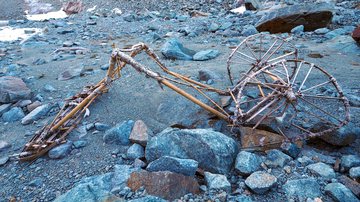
119	134
206	55
167	163
214	151
312	16
343	136
302	188
13	89
98	188
173	49
247	163
340	193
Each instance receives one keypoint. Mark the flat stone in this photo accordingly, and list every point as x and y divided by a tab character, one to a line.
164	184
260	182
13	89
214	151
217	182
276	158
4	145
321	169
36	114
247	163
304	161
135	151
80	144
340	193
249	30
14	114
186	167
101	126
355	173
206	55
119	134
312	16
302	188
4	108
140	133
4	160
349	161
173	49
33	105
255	138
60	151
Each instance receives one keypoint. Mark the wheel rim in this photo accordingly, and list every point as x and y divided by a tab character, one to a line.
291	97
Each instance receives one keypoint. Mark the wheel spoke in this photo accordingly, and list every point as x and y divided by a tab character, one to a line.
307	75
317	107
316	86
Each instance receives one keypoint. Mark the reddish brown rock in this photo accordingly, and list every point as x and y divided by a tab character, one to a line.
72	7
163	184
312	16
13	89
259	138
350	184
33	106
140	133
356	35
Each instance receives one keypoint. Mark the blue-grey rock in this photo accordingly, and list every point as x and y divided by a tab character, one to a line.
135	151
4	145
101	126
343	136
302	188
36	183
321	157
276	158
247	163
349	161
355	173
226	25
249	30
98	188
214	151
205	55
4	160
148	199
217	182
119	134
304	161
260	182
14	114
167	163
173	49
39	61
298	29
290	149
321	169
322	31
79	144
49	88
4	108
36	114
340	31
60	151
340	193
214	27
13	89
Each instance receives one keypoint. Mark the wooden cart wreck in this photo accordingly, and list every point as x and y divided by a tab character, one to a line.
300	97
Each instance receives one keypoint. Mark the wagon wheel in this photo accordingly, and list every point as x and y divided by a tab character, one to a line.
308	104
257	51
